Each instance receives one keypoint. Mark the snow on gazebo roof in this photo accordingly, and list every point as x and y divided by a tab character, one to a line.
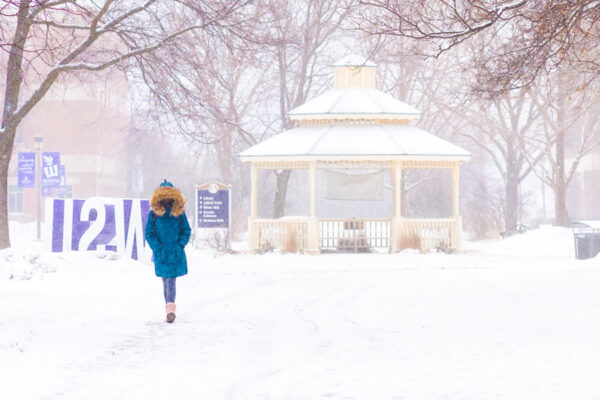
393	140
349	102
355	120
354	60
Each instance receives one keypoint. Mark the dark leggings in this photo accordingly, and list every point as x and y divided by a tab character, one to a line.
169	289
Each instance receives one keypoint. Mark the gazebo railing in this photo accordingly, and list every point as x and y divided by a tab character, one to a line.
357	235
354	235
428	233
286	234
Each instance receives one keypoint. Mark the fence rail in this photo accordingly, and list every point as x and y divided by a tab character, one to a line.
427	234
354	235
283	234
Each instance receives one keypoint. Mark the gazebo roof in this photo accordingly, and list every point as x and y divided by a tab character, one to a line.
393	140
353	102
355	121
354	60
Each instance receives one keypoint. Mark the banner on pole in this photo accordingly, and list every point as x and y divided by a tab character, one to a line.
26	170
50	169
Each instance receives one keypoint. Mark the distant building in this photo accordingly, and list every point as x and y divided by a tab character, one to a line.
88	123
584	191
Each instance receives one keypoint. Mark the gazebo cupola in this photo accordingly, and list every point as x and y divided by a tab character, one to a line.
354	126
354	99
354	72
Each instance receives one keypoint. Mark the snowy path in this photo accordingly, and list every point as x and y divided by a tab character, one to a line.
404	326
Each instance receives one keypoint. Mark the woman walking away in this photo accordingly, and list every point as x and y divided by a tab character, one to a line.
167	232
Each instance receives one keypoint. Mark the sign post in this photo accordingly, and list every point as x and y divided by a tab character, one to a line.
62	190
213	208
39	144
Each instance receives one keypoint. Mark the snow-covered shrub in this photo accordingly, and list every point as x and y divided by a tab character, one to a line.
23	265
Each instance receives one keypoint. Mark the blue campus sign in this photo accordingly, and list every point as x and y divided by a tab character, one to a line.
50	169
111	224
26	170
212	202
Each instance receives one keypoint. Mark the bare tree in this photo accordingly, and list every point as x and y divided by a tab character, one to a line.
214	98
534	36
52	38
422	83
518	43
483	199
297	38
570	113
236	86
500	127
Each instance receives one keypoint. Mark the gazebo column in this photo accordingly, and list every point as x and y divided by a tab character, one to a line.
313	189
455	210
312	231
397	218
252	227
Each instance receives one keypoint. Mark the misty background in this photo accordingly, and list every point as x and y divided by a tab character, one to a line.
184	111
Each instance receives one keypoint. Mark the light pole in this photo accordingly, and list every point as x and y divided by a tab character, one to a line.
138	176
38	144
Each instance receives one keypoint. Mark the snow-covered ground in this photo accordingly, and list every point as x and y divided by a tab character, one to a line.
512	319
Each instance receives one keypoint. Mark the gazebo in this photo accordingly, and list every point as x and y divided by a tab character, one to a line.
354	126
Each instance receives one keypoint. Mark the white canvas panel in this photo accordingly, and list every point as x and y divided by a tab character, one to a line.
341	186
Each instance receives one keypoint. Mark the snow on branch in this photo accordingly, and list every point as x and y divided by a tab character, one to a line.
61	26
511	42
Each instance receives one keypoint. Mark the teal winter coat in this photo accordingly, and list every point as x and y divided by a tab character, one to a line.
168	231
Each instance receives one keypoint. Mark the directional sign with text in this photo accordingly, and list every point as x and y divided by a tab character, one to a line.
213	204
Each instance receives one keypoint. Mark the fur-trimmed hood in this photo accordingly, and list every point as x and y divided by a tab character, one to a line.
167	193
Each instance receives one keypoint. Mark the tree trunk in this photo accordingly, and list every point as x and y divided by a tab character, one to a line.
511	191
560	205
8	127
224	149
224	156
6	144
280	192
511	216
4	234
561	217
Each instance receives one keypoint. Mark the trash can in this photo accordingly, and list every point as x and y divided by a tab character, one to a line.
587	239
